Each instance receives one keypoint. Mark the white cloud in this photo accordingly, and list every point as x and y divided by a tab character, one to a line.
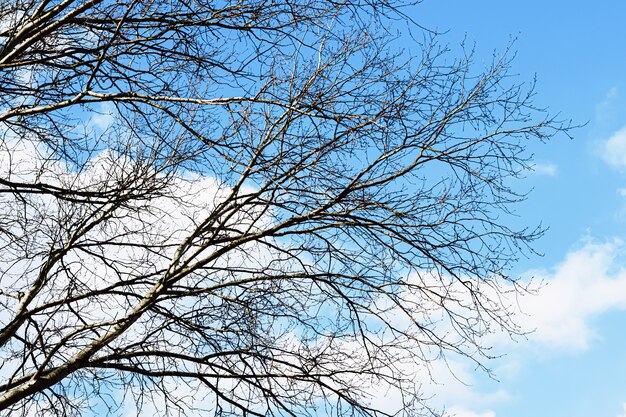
10	20
585	285
461	412
443	383
624	413
614	149
184	202
548	169
104	117
606	110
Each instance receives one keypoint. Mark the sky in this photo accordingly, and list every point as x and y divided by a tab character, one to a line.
574	363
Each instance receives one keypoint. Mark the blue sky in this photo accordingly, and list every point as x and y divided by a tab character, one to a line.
575	364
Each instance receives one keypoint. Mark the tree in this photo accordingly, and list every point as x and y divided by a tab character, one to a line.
249	207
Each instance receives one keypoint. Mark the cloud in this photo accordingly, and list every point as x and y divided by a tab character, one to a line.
613	150
139	240
461	412
606	110
10	20
624	413
548	169
452	387
104	117
585	285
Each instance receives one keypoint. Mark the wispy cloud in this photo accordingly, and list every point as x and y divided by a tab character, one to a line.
613	149
586	284
606	110
104	117
547	168
460	412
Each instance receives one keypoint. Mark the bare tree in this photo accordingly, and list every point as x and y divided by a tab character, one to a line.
247	207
